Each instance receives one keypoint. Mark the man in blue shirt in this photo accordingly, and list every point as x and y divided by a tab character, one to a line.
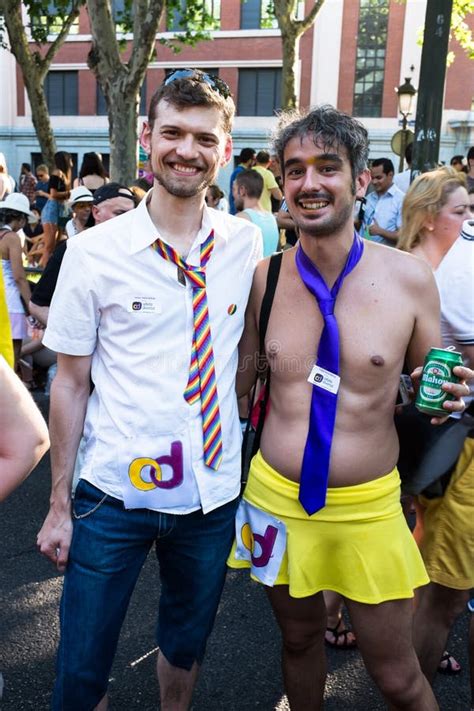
246	161
383	210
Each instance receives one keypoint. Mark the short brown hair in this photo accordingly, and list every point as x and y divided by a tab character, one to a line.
193	90
252	181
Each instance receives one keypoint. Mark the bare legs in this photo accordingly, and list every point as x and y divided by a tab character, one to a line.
302	623
341	638
384	638
50	231
176	685
384	635
437	608
103	704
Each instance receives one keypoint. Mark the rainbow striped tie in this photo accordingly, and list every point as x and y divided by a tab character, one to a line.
202	376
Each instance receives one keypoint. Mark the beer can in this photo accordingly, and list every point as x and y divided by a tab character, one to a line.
437	370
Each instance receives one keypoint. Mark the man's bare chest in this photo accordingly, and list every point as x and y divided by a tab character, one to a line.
374	328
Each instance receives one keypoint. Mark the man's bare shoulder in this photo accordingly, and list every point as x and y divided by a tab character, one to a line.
401	267
261	272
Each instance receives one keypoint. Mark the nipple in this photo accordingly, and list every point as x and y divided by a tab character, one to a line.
377	360
273	348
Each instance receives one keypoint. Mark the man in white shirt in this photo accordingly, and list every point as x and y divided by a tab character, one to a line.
151	306
402	180
383	209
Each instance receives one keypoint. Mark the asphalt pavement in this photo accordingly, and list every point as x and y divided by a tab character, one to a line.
241	671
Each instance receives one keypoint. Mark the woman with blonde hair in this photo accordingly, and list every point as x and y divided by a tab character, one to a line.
434	210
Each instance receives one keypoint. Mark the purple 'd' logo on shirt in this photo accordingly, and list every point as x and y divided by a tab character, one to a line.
265	541
152	469
136	305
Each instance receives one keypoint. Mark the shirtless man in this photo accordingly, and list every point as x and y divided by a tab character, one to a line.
358	544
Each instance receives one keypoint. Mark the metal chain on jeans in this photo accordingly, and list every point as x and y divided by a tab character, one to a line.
88	513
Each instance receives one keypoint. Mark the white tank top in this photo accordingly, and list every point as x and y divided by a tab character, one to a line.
12	291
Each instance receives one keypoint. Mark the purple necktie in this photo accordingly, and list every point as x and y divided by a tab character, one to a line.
317	452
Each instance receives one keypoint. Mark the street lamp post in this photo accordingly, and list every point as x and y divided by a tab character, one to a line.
406	93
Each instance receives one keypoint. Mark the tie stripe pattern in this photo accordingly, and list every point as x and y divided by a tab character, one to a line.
202	376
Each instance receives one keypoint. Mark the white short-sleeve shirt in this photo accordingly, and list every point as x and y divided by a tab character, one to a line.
118	300
455	280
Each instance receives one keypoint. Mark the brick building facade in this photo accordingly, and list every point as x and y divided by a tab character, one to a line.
355	55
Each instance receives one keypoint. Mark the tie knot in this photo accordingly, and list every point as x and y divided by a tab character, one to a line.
326	306
197	277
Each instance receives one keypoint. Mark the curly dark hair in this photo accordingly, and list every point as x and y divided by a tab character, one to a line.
327	126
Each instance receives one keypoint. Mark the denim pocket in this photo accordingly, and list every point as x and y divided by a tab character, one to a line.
87	499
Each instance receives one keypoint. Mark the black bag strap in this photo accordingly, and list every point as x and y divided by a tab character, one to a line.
267	301
262	372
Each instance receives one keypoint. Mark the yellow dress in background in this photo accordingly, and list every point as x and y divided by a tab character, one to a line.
6	345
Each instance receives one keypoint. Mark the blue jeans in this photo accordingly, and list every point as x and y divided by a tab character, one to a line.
109	546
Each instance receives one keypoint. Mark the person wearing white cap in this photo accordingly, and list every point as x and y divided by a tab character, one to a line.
14	212
80	203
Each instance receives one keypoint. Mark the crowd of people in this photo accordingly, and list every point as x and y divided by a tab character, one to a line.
327	281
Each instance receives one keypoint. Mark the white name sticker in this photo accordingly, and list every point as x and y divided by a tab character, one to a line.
322	378
144	305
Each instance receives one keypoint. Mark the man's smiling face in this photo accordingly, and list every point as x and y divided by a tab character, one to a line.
318	186
186	147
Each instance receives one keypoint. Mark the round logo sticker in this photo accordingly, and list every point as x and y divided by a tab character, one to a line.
231	309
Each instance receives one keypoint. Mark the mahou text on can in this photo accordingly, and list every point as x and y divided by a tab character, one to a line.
437	370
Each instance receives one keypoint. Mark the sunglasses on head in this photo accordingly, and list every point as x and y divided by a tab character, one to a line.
214	82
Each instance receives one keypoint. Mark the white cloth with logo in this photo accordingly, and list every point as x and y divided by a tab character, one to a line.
119	301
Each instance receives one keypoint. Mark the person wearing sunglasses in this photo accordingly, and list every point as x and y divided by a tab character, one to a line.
150	305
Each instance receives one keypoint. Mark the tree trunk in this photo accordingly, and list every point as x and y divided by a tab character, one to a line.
123	126
34	66
290	44
40	115
291	30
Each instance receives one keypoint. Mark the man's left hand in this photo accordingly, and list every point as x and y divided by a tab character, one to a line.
458	390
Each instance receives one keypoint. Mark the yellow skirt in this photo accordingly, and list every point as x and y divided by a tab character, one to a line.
447	545
358	545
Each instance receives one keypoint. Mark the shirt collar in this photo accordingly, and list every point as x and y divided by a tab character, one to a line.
144	232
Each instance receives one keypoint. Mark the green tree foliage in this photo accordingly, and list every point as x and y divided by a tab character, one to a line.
131	24
39	20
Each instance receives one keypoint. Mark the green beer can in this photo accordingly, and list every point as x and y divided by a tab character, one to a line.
438	369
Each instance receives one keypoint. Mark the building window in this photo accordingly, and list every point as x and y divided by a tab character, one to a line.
52	19
370	59
118	9
61	93
207	16
257	15
259	92
101	106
